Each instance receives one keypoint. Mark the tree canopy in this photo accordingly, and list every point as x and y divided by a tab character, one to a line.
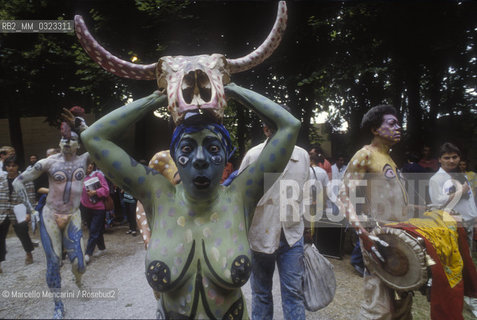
338	57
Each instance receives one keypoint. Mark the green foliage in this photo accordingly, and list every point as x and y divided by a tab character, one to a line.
162	8
340	58
418	57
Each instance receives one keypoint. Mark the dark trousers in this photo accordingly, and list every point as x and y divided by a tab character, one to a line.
118	206
21	230
85	220
96	230
130	210
357	256
3	235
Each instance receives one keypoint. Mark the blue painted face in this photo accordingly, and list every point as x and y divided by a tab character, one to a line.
200	159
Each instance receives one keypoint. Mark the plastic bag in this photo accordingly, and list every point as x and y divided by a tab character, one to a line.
319	283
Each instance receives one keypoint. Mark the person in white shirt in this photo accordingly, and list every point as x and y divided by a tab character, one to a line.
338	169
316	171
449	189
337	172
277	240
322	181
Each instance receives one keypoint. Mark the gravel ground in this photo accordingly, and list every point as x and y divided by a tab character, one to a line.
120	272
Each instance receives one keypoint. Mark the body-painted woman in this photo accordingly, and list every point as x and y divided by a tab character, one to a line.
60	221
198	256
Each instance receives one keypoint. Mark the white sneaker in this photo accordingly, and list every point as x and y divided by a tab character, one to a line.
86	258
99	253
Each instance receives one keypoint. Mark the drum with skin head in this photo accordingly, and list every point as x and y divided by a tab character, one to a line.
405	268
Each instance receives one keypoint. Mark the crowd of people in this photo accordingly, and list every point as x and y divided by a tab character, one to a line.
70	192
208	228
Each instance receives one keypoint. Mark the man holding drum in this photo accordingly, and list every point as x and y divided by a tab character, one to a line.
399	250
385	200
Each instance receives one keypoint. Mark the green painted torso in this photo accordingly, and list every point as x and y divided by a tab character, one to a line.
199	242
198	255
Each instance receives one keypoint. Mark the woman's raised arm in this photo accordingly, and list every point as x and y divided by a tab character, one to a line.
115	163
276	153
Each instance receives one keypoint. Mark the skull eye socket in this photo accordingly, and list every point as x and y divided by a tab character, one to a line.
196	87
203	83
188	85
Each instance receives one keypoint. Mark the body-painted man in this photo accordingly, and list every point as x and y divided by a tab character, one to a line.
60	221
384	186
386	203
386	200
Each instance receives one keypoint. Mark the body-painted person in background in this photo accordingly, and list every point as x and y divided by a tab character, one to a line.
373	163
386	205
60	221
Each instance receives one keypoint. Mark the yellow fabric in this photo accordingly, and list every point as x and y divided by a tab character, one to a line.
472	177
163	163
440	229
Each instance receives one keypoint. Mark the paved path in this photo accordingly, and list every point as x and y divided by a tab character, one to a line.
121	271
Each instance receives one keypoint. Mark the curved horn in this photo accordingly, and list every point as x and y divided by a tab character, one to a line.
266	48
109	62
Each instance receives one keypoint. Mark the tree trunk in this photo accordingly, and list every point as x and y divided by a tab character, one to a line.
414	107
15	130
308	107
435	95
397	92
358	138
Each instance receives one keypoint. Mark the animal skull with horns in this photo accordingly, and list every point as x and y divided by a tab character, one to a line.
191	82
